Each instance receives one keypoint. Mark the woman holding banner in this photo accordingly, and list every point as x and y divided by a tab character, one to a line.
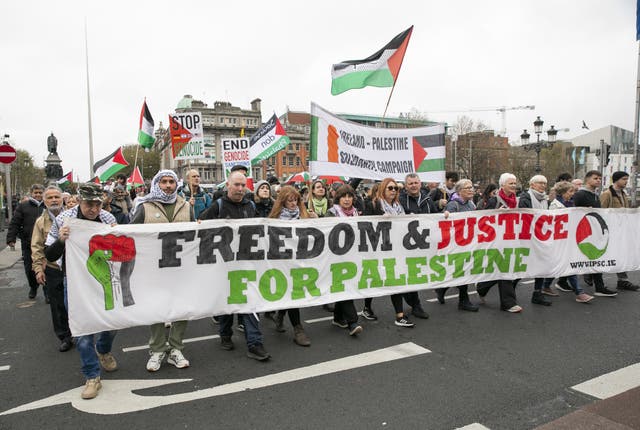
289	206
345	314
386	203
318	202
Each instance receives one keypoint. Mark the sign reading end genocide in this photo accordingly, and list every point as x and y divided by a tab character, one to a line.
133	275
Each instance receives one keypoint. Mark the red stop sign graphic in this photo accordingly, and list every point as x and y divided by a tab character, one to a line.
7	154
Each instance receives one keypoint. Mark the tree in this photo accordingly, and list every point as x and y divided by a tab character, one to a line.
148	161
464	125
25	173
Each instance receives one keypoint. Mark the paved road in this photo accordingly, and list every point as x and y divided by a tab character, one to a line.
500	370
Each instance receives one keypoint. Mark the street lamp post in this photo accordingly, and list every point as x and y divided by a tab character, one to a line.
538	145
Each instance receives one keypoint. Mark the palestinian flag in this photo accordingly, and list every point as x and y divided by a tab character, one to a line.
110	165
65	180
145	130
135	180
378	70
268	140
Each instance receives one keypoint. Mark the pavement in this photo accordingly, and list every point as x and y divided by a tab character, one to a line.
8	256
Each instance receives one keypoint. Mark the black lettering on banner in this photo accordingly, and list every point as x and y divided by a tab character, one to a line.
304	234
247	235
276	243
367	230
170	247
418	238
334	238
208	244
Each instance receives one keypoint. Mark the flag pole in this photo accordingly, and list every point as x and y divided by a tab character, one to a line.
86	51
396	79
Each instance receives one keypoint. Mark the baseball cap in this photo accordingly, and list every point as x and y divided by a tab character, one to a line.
90	192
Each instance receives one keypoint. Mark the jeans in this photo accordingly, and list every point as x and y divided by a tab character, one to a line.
87	350
252	332
573	281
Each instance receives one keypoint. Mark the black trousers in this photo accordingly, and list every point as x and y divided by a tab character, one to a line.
345	311
59	316
507	292
26	260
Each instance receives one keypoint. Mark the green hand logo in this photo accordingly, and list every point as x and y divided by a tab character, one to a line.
104	253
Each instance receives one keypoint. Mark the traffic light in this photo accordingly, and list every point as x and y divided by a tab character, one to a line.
607	153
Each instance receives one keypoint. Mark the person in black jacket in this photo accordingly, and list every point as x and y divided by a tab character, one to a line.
235	205
21	227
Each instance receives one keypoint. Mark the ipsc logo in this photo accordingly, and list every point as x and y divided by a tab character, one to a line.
592	236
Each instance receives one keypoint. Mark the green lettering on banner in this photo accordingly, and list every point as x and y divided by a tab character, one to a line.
238	285
304	278
341	272
414	271
498	260
518	265
458	260
436	264
265	285
478	257
370	273
391	279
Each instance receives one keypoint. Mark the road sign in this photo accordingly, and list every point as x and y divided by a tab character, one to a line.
7	154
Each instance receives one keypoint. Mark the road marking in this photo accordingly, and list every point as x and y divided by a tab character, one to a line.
315	320
531	281
117	397
612	383
452	296
474	426
190	340
4	368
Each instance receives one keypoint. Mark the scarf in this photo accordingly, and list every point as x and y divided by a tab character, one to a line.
565	203
394	209
318	206
290	214
340	212
511	200
457	198
156	194
35	202
538	199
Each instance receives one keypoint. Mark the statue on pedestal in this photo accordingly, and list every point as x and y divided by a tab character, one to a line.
52	144
53	169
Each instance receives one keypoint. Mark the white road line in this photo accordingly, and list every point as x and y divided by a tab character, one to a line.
118	397
315	320
190	340
531	281
611	384
474	426
4	368
452	296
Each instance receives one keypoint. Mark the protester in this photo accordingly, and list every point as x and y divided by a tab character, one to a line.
263	199
289	206
93	352
235	204
386	203
586	196
115	210
318	202
614	197
72	202
21	227
461	201
164	205
49	273
344	314
121	199
489	191
193	193
441	196
504	198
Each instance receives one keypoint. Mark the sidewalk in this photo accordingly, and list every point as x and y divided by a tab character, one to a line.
8	257
620	412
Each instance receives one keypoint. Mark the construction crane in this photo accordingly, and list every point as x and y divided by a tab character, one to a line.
500	109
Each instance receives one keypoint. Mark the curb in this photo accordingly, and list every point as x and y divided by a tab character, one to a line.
8	257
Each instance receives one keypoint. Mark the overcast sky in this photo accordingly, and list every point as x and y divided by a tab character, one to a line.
573	59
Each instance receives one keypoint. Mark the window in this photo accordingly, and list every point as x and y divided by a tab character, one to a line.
284	161
297	147
291	160
297	161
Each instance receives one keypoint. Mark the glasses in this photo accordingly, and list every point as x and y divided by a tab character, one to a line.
468	188
392	188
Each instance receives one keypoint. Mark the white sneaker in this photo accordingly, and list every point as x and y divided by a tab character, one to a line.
177	359
155	361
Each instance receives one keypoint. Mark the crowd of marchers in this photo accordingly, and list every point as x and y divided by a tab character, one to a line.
39	222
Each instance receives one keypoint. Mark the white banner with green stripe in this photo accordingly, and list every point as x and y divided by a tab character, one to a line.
340	147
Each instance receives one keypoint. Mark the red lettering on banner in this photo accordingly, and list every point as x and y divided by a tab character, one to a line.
540	222
509	220
525	231
445	231
459	227
559	231
487	229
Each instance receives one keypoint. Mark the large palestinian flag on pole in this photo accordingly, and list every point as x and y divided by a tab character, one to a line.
145	129
270	139
110	165
344	148
378	70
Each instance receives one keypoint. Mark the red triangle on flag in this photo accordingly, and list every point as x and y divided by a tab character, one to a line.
279	129
136	178
119	158
395	61
419	154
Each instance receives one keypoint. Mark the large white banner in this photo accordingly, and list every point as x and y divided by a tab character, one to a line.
344	148
133	275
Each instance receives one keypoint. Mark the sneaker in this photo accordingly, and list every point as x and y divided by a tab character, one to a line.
167	325
241	328
91	388
257	352
155	361
588	280
226	343
66	345
564	286
418	312
624	284
549	292
584	298
605	292
404	322
369	315
515	309
538	298
177	359
354	329
216	320
108	362
32	293
341	323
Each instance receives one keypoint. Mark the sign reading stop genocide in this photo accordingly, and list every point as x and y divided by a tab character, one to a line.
7	154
